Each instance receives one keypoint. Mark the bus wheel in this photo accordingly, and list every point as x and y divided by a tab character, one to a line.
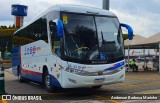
47	82
96	87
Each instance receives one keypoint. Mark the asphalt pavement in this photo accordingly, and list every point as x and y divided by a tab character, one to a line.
138	84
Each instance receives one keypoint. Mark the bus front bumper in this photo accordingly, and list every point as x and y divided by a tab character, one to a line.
70	80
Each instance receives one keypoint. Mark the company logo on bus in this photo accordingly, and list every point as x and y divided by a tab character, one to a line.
31	50
100	73
80	67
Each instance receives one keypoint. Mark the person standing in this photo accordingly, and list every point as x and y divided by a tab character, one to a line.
134	66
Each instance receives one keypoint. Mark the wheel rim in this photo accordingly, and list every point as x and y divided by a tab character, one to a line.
47	81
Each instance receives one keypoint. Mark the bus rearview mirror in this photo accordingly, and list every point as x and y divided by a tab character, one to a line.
130	30
60	28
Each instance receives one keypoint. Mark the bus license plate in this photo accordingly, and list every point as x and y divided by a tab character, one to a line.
100	80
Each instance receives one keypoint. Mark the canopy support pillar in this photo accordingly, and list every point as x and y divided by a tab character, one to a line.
159	57
128	57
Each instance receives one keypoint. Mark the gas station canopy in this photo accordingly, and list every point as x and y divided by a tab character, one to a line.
139	42
142	42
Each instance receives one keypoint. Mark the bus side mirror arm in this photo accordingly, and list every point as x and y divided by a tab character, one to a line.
130	30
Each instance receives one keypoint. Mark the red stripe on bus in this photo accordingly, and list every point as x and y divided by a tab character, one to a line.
20	57
30	72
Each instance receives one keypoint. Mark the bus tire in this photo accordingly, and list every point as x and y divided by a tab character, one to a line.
96	87
47	82
20	79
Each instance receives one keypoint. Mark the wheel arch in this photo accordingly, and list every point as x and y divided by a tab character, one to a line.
18	69
45	68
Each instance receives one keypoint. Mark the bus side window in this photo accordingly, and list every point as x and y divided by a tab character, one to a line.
55	41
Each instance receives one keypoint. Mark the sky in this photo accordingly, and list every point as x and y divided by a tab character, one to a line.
141	15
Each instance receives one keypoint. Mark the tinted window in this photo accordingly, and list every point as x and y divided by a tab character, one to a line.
33	32
39	30
55	41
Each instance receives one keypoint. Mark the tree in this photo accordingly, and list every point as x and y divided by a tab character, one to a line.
125	36
3	27
9	27
13	26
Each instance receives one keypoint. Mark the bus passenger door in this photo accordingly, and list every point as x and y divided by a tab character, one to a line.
56	46
57	72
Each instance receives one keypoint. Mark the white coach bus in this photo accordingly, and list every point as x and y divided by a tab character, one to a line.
71	46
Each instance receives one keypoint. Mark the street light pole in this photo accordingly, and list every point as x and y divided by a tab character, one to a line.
106	4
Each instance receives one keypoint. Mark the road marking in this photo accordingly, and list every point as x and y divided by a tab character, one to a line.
144	73
104	98
138	85
3	101
8	74
151	92
140	78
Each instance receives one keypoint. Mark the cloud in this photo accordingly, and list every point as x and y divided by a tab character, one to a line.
35	7
92	3
142	15
137	6
141	25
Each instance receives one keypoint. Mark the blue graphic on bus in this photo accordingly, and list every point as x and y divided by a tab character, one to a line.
115	66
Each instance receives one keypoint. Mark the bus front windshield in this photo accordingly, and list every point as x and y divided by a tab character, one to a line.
92	38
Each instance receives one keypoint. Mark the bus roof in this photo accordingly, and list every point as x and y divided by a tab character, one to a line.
81	9
74	9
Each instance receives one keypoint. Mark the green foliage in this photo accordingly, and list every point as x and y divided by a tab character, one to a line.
3	27
6	33
9	27
13	26
125	36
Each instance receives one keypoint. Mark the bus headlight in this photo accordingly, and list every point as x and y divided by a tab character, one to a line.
121	68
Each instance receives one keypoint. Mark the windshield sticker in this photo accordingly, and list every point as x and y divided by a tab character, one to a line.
65	19
102	56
